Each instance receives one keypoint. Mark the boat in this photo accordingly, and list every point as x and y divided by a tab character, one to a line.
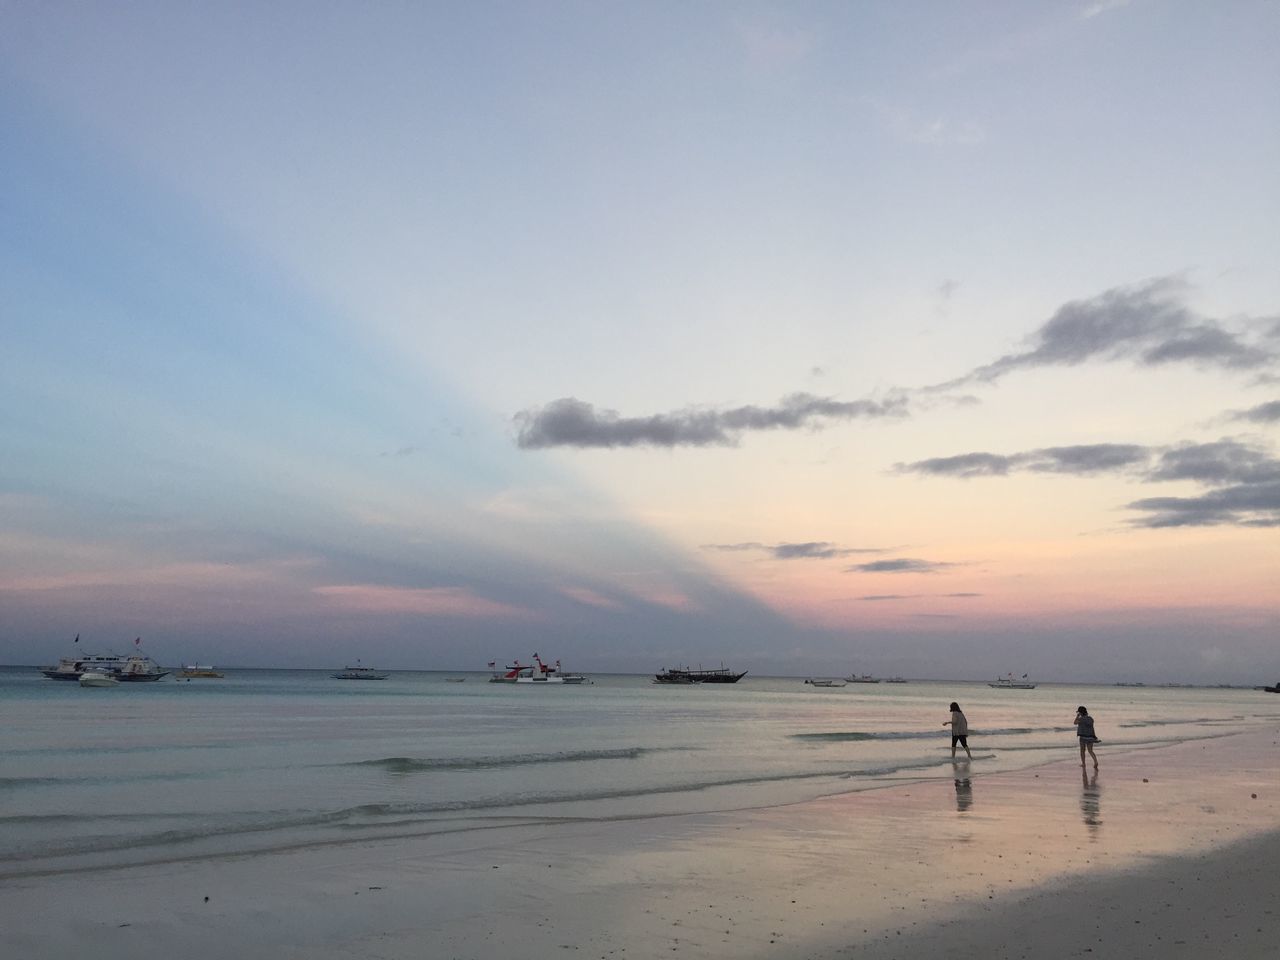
134	668
359	673
862	678
685	675
92	678
197	672
895	680
1010	682
826	683
1275	689
536	672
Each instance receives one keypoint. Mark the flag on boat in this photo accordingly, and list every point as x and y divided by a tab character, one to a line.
136	641
493	663
77	639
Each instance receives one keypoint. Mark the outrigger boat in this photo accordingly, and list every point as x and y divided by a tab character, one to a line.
197	672
1011	683
359	673
536	672
826	683
863	678
684	675
91	678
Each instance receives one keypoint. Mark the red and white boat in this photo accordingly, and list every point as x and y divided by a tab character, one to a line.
536	672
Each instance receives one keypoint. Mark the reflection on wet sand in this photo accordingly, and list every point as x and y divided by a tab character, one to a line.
964	789
1091	802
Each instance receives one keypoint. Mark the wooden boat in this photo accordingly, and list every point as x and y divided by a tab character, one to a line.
685	675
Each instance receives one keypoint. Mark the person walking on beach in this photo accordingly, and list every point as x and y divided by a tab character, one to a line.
1084	730
960	731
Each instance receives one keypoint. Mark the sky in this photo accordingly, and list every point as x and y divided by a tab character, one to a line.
930	339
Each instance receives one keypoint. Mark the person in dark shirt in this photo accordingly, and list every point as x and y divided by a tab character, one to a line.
1084	730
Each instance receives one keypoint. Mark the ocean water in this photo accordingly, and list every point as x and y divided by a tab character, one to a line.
267	760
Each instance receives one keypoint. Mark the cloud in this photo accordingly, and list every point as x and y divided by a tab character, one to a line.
569	422
431	601
874	597
899	565
1246	476
590	598
1100	7
810	550
1268	412
1148	323
914	127
1080	459
769	42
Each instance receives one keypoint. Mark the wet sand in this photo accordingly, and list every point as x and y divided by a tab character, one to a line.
1169	851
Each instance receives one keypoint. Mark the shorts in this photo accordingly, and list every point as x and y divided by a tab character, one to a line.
962	739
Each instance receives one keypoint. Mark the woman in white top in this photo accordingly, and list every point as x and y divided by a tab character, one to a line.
959	731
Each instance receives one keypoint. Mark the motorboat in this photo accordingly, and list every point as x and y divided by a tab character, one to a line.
862	678
536	672
196	672
133	668
685	675
92	678
359	673
1010	682
826	683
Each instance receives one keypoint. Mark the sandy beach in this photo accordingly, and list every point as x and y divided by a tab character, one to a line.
1169	851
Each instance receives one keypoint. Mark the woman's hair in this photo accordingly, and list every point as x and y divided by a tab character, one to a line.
955	706
1083	710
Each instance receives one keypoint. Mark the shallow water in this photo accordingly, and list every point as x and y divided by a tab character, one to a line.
268	760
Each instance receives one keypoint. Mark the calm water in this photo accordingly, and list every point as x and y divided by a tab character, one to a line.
266	760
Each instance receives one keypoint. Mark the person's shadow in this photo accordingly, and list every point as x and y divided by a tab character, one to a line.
964	789
1091	801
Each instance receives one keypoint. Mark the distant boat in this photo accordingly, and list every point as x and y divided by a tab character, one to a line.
862	678
132	669
1131	683
685	675
1275	689
92	678
895	680
536	672
197	672
359	673
1011	683
826	683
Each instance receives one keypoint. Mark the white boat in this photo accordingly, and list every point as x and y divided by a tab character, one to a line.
1010	682
536	672
92	678
359	673
132	669
197	672
826	683
896	680
862	678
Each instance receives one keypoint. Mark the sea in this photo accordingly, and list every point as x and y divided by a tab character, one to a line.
272	760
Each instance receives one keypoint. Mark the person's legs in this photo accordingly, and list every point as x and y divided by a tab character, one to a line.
1082	753
954	739
964	742
1092	756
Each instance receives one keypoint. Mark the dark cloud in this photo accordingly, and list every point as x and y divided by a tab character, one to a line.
569	422
1245	477
1263	413
914	596
814	549
899	565
1148	323
1080	459
1241	505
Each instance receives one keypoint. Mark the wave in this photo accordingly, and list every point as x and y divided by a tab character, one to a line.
426	764
857	736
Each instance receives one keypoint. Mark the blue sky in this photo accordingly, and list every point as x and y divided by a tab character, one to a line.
435	334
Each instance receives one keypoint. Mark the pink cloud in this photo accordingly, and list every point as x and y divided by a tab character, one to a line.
590	598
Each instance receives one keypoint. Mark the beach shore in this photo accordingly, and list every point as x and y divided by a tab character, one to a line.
1168	852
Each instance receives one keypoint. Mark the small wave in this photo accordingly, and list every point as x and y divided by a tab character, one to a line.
856	736
425	764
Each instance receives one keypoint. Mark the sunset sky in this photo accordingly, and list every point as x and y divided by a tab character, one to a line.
931	339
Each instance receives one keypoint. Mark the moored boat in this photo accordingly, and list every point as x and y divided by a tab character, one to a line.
196	672
1275	689
536	672
1010	682
826	682
359	673
685	675
862	678
130	669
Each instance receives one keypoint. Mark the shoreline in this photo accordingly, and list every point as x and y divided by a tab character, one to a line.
902	870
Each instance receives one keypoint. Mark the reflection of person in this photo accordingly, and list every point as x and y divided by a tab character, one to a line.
964	794
1084	730
959	731
1090	801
